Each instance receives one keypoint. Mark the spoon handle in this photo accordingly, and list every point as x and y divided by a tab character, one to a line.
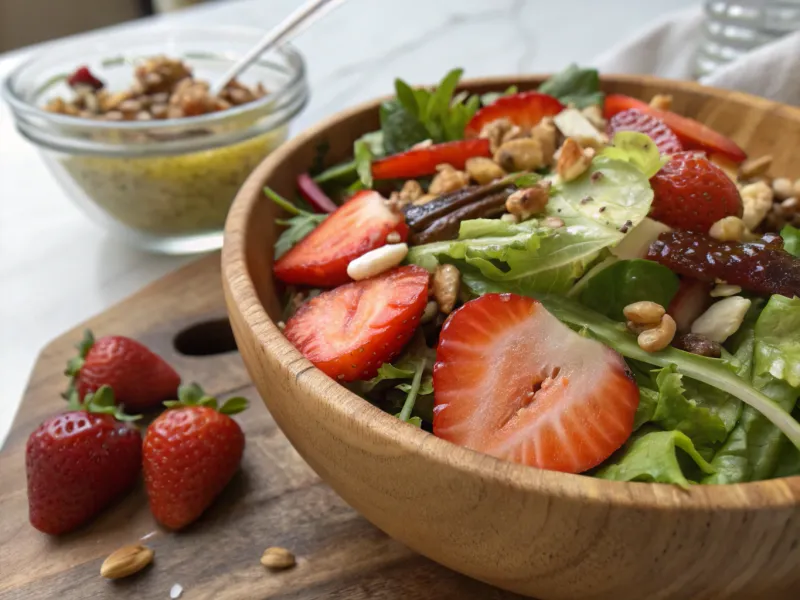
302	16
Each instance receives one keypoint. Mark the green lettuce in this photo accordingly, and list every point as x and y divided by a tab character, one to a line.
573	85
791	240
765	344
627	281
654	456
612	192
637	149
520	257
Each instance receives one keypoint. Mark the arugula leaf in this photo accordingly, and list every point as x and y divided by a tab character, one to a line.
574	85
363	156
704	413
652	456
520	257
401	129
412	391
791	240
406	97
612	192
627	281
492	97
297	227
637	149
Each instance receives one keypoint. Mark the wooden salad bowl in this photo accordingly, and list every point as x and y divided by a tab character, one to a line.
545	534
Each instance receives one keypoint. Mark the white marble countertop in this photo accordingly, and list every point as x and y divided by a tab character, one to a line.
57	268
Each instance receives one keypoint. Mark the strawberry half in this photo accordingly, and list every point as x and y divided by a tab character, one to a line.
350	331
512	381
419	162
692	193
635	120
320	259
525	110
692	134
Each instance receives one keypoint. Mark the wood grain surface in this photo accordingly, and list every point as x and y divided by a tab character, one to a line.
275	499
541	533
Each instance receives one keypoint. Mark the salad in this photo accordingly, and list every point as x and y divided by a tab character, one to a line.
569	280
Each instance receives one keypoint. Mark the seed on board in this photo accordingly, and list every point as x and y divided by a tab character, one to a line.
278	558
126	561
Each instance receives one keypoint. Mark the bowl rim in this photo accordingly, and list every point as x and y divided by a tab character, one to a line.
241	293
295	68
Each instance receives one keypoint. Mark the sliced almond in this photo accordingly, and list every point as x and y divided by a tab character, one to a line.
126	561
278	558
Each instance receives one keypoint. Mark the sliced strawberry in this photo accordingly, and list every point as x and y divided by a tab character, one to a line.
692	134
692	193
350	331
512	381
320	259
635	120
690	302
419	162
525	110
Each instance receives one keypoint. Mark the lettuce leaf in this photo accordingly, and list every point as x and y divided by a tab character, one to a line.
612	192
791	240
637	149
654	456
520	257
777	345
625	282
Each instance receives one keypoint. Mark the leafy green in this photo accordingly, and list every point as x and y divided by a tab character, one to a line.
363	156
520	257
704	413
777	345
492	97
297	227
788	462
574	85
637	149
412	390
612	192
628	281
652	456
791	240
419	114
754	447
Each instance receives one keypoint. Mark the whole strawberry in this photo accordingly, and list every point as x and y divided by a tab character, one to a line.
79	462
190	453
692	193
140	379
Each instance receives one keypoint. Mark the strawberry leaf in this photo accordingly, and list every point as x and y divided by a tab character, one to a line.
234	405
75	364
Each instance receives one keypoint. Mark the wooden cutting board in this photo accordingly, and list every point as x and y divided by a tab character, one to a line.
275	499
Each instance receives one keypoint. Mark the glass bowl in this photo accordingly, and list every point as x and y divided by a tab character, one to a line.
164	185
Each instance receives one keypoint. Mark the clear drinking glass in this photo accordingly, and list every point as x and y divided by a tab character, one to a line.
734	27
165	185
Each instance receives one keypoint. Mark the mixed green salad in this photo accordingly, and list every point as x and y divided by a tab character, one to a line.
566	279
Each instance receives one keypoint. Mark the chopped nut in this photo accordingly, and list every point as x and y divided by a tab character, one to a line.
159	73
424	199
755	167
514	133
483	170
524	154
159	111
430	312
130	106
376	261
393	238
644	312
573	124
527	202
552	222
782	187
697	344
545	134
756	201
657	338
410	191
594	115
728	229
790	205
126	561
448	180
661	101
446	283
723	290
572	162
494	132
278	558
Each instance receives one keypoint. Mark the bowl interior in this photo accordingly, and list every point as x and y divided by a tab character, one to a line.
758	125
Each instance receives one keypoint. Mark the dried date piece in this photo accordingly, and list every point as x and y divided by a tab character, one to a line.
762	266
697	344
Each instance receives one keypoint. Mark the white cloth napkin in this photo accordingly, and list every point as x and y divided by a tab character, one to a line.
668	49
